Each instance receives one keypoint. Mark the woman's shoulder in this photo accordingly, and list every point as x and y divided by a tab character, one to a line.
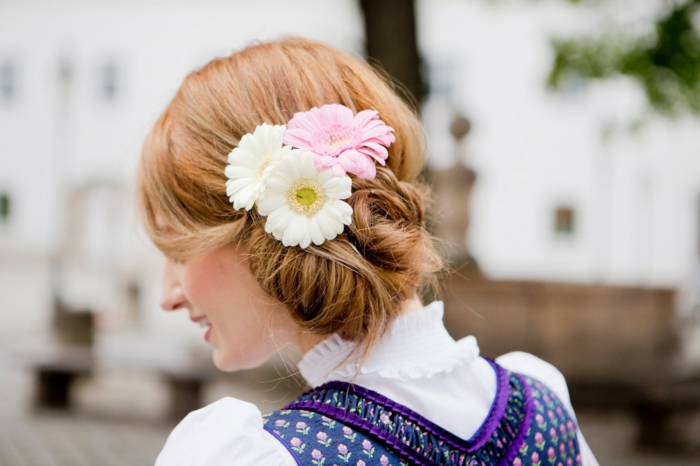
228	431
532	366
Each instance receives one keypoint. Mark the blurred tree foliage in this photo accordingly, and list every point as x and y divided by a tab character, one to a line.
666	63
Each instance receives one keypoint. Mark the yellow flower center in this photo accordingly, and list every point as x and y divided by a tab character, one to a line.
306	197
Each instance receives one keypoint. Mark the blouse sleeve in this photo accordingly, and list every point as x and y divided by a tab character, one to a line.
227	432
527	364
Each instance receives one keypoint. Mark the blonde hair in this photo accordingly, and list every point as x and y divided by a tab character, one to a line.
353	285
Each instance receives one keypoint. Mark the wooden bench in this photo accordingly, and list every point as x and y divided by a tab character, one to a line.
57	370
56	373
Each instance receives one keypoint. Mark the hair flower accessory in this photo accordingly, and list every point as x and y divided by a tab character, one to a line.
340	140
251	162
303	204
296	175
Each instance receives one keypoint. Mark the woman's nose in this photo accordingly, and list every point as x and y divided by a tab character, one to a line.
171	296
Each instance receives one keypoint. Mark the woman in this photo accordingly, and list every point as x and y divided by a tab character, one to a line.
281	185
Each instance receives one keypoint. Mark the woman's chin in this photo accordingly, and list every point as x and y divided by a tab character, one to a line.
231	363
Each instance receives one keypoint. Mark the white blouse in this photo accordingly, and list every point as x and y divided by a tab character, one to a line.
417	364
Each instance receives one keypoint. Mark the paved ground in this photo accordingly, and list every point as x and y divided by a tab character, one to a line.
118	423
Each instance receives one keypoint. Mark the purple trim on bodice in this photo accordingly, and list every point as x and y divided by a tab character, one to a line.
346	417
525	420
524	426
477	441
498	407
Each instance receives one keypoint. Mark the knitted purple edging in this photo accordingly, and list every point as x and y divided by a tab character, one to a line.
281	440
498	407
376	432
478	440
529	411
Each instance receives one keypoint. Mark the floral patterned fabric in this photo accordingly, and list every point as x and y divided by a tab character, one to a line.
338	423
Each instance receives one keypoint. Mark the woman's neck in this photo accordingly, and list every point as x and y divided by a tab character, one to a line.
410	305
305	341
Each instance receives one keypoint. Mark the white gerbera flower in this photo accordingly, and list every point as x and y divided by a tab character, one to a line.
303	204
251	162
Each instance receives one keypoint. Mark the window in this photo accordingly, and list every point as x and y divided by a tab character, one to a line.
65	77
109	81
442	78
564	220
7	81
4	207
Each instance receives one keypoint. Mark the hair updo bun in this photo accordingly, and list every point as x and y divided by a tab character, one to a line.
352	285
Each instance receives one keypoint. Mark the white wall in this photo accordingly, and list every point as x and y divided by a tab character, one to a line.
51	142
635	194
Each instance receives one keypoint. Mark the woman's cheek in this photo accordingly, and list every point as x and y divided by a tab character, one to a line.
200	287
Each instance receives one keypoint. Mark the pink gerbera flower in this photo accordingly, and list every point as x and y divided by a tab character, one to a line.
340	140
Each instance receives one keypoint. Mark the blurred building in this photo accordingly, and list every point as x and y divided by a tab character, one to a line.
81	83
582	186
585	185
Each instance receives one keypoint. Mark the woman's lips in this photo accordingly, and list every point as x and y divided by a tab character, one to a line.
203	321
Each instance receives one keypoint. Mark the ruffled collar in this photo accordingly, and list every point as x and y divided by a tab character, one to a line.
416	345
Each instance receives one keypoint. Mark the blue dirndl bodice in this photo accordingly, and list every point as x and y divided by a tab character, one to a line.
338	423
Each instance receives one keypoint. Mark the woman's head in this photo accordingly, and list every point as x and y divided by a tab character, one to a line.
353	285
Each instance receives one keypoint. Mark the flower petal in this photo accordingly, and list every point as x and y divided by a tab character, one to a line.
358	164
271	202
382	133
378	149
338	187
315	231
324	176
339	114
364	117
245	184
237	171
345	211
336	225
371	153
280	219
307	166
305	240
295	231
325	224
338	170
324	161
278	183
298	137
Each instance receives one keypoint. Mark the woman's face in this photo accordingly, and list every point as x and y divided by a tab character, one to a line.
244	324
